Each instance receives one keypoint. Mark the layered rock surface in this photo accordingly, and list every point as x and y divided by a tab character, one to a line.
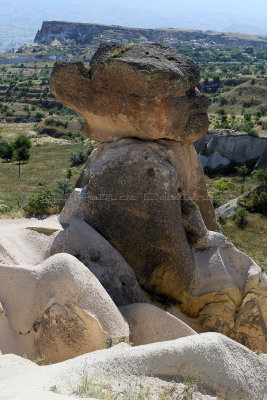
230	369
56	310
148	198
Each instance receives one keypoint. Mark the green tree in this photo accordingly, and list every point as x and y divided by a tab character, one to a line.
6	152
22	141
22	146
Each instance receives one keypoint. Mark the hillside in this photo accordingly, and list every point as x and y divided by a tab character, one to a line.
92	33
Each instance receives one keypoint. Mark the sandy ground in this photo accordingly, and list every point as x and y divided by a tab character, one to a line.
26	240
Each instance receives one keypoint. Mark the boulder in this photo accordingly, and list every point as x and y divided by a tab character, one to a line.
102	259
228	368
61	302
227	209
149	324
229	293
73	207
134	91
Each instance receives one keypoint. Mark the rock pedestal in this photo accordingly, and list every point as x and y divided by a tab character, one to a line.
143	188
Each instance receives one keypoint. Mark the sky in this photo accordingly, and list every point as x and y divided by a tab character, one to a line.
22	18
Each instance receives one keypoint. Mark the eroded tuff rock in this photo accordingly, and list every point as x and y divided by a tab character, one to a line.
138	194
226	367
145	199
137	91
148	198
56	310
103	260
150	324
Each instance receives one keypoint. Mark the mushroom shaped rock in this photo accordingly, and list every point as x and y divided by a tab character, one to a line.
150	324
56	310
146	91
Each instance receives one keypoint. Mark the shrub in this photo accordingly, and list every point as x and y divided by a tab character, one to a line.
253	133
217	199
90	149
62	191
39	115
242	171
223	186
69	173
240	218
260	175
77	158
40	204
259	202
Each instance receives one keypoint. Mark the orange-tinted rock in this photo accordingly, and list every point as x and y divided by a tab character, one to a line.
137	91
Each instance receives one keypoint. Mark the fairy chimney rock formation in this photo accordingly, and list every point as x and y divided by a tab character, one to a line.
144	191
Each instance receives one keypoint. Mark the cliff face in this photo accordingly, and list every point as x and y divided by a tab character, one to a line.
218	152
96	33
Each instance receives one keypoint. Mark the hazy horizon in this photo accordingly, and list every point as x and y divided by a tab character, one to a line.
20	19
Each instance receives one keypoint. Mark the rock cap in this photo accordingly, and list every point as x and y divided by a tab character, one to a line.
144	91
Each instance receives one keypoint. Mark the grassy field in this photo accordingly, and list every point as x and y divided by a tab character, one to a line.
11	131
252	240
48	163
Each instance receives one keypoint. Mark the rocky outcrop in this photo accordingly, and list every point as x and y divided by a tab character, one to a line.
102	259
146	195
138	208
74	206
134	91
262	161
94	34
222	152
229	369
229	295
150	324
56	310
